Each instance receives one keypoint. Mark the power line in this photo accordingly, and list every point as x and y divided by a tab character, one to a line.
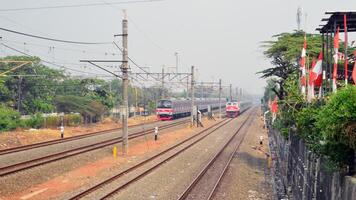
45	61
77	5
52	39
63	49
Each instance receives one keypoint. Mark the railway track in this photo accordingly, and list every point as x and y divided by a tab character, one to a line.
14	168
195	189
117	176
58	141
203	134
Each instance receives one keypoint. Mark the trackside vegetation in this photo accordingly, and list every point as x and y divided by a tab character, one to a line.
326	125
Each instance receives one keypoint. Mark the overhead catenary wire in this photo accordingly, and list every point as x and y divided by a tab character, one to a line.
52	39
63	48
77	5
45	61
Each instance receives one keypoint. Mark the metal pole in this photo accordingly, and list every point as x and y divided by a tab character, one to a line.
192	91
323	66
125	82
230	92
177	61
135	102
162	92
19	95
327	67
187	87
345	43
220	88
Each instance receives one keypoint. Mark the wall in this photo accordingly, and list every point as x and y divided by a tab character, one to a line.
301	174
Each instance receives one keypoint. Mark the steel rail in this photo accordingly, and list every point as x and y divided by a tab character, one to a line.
162	162
58	141
214	189
115	177
195	181
68	139
10	169
147	171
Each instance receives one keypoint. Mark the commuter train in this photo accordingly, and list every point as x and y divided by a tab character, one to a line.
234	108
168	109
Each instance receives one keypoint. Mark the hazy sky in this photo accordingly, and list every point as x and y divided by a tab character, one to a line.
220	37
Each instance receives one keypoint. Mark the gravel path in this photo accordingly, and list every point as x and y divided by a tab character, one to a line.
248	174
171	179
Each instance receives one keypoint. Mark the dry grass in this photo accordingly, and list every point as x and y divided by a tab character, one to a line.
21	137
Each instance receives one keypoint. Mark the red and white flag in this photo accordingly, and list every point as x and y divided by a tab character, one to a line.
336	58
311	82
274	109
274	106
303	81
318	71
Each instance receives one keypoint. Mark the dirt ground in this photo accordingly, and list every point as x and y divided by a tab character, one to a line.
248	175
52	189
24	137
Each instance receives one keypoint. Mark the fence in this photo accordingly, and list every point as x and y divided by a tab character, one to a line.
303	175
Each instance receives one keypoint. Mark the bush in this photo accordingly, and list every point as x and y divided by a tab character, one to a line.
329	129
53	121
9	118
335	121
73	119
36	121
307	130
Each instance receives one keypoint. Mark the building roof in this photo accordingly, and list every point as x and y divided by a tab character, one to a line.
337	18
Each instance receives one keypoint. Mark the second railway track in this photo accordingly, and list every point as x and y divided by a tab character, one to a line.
17	167
158	160
204	185
57	141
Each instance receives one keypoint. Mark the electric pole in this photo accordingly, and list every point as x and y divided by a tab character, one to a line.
125	82
136	104
192	91
230	92
162	92
176	54
187	87
220	88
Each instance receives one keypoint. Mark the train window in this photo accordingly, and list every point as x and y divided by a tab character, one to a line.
164	104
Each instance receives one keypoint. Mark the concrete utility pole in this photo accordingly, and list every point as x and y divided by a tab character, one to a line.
230	92
125	83
187	87
220	88
237	93
136	104
162	92
177	61
192	91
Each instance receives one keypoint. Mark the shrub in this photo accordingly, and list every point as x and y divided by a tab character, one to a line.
53	121
36	121
307	130
335	121
9	118
73	119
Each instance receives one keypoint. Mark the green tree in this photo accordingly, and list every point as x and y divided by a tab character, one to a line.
284	53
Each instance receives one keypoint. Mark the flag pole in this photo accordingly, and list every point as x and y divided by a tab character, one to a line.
346	60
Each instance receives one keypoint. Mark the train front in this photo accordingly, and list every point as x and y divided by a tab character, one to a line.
232	109
164	110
